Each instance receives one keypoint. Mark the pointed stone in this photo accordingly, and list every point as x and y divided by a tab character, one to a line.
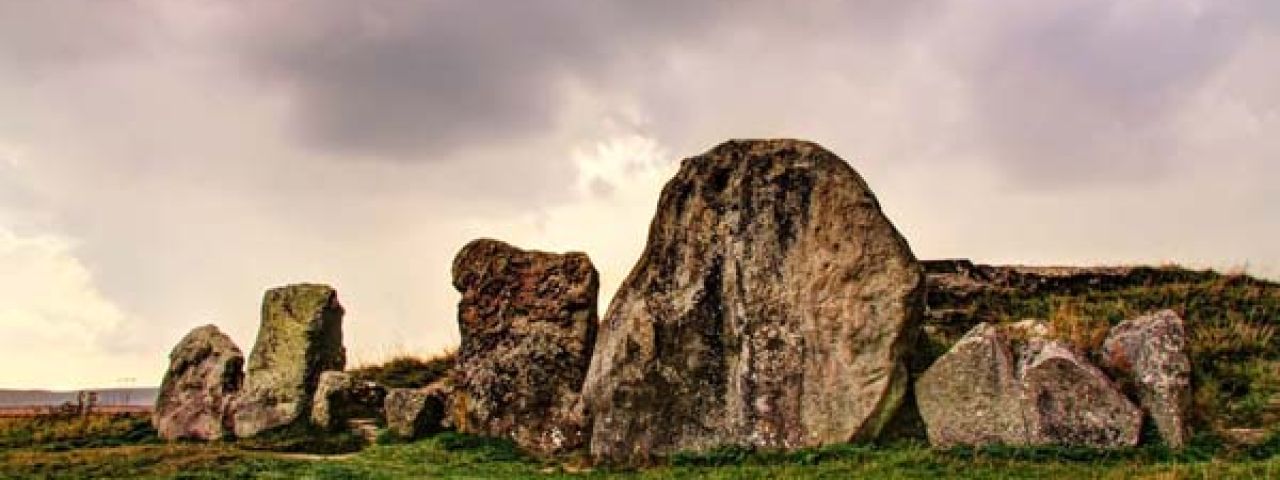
1148	355
972	396
1071	402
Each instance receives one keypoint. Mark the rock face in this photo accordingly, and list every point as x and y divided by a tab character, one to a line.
414	412
340	397
205	371
771	308
976	395
1149	356
1070	402
972	396
528	324
300	337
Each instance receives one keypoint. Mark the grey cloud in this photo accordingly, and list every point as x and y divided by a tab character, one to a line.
1088	92
417	80
38	35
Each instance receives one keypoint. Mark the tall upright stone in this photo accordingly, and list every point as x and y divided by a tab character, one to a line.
300	337
771	307
1148	355
205	371
528	324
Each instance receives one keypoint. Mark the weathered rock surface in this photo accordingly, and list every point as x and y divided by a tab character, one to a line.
1071	402
340	397
528	324
414	412
972	396
205	371
300	337
771	308
976	395
1148	355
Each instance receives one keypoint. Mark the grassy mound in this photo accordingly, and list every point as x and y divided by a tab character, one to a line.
407	371
1231	321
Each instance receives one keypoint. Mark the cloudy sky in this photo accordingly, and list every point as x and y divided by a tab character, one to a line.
162	163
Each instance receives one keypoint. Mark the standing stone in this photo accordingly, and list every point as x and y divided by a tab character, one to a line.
205	371
340	397
1148	355
972	396
771	308
528	324
414	412
300	337
1070	402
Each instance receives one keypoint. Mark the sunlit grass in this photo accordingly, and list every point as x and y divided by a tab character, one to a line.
407	371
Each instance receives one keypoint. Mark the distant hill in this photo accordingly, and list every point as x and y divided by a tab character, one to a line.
142	396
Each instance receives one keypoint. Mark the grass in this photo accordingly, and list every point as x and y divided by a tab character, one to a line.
458	456
113	451
407	371
303	438
57	432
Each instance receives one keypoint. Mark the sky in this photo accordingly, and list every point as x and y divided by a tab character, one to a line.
163	163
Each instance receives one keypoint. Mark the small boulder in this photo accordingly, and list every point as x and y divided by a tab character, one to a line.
414	412
1148	355
1071	402
340	397
976	395
300	337
528	324
205	372
971	395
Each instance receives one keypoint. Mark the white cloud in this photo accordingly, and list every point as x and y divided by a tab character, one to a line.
56	323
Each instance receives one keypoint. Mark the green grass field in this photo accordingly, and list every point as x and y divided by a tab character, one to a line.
123	447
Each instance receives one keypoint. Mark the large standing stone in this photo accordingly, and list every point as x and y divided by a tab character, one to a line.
414	412
972	396
771	308
1148	355
1070	402
205	371
300	337
341	397
528	323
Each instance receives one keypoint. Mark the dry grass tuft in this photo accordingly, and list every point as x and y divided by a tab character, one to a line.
1069	323
408	371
